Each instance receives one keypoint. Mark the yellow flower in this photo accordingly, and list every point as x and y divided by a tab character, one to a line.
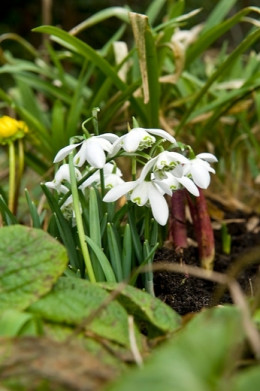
11	129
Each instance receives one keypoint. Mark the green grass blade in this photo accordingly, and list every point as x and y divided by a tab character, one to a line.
210	36
7	215
102	259
36	221
135	236
127	252
245	44
218	14
64	228
95	232
114	252
78	46
118	12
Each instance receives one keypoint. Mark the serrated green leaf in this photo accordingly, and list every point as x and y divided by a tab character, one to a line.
156	315
30	263
72	300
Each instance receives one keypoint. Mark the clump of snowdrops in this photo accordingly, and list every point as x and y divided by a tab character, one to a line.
120	222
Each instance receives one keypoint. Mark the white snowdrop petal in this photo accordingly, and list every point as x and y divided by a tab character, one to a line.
200	176
159	205
118	191
50	185
209	157
111	137
132	140
95	155
64	152
189	185
140	194
62	174
162	133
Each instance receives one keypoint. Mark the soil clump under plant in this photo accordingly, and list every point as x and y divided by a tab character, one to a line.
188	294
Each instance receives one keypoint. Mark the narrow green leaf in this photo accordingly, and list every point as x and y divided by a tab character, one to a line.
245	44
58	125
118	12
78	46
135	236
127	252
210	36
102	260
114	252
64	228
7	215
33	210
220	11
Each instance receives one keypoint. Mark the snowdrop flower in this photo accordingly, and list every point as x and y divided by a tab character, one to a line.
175	179
166	161
92	150
63	174
112	177
143	192
139	138
199	169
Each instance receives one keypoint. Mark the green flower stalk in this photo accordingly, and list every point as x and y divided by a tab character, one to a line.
11	131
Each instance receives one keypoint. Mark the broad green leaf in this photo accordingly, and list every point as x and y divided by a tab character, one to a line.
196	358
14	323
150	311
246	380
30	262
73	300
111	356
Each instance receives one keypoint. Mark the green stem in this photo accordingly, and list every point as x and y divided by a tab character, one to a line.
133	168
19	171
11	194
79	222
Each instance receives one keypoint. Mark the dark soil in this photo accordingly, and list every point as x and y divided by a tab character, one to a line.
187	294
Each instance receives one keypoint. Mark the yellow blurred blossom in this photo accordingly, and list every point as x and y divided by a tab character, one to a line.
11	129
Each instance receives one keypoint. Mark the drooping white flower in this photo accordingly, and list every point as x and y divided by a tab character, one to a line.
139	138
166	161
112	177
62	175
199	169
92	150
143	192
175	179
